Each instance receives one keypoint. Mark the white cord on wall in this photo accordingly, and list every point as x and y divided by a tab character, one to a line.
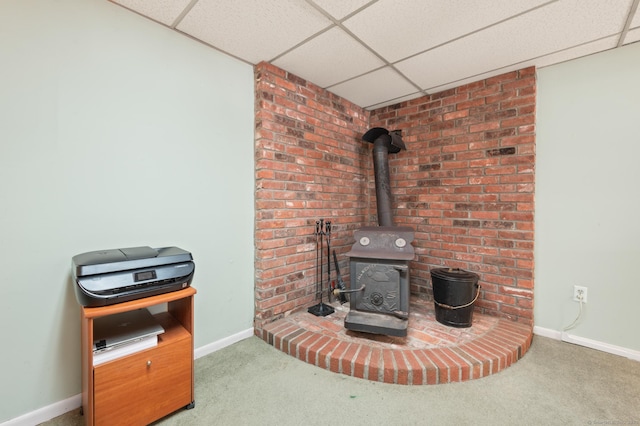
573	324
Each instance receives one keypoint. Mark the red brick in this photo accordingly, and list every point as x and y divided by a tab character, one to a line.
336	355
401	368
416	368
348	358
308	142
453	363
314	347
431	368
489	360
375	365
280	334
442	367
291	343
325	351
389	371
360	363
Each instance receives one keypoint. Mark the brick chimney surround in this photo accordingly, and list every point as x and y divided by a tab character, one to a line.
465	184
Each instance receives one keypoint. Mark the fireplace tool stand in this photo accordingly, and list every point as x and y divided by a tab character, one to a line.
322	228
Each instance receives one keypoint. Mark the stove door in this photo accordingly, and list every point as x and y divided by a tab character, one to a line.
382	287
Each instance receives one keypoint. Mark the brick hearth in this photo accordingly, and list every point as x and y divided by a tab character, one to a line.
432	353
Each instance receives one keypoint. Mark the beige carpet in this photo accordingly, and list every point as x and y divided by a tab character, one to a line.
556	383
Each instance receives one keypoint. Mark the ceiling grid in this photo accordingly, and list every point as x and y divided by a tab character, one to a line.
380	52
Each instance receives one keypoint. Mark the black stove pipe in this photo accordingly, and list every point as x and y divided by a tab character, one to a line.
384	143
383	182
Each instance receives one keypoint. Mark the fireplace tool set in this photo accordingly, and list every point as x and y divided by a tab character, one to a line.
322	233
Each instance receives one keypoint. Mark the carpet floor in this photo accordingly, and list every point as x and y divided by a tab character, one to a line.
555	383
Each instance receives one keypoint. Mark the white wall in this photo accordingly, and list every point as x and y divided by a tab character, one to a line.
588	196
114	132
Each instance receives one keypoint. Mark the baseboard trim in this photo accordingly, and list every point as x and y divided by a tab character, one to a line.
59	408
547	332
46	413
589	343
222	343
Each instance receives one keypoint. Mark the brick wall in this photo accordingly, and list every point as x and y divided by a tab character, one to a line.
309	165
465	184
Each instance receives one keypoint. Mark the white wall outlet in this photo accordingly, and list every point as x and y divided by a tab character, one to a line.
579	293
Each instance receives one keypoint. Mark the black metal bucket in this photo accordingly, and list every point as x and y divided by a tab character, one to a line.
454	292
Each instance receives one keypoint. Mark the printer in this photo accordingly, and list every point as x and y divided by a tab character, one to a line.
107	277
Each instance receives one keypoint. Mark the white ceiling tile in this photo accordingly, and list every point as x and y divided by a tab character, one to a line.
340	8
253	30
164	11
437	44
330	58
546	30
634	29
397	30
632	36
541	62
635	22
577	52
373	88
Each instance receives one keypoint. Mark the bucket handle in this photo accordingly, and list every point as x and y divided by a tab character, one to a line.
442	305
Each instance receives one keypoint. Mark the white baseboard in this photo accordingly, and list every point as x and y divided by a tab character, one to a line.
59	408
46	413
547	332
583	341
222	343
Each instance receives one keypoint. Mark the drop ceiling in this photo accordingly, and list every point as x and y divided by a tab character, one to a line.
380	52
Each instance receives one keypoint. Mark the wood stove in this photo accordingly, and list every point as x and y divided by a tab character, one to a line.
379	259
379	269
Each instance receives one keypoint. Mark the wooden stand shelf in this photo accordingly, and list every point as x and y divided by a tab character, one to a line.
147	385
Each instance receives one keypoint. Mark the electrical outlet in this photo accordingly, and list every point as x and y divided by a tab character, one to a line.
579	293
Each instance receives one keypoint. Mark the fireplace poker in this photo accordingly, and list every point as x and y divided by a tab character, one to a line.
321	254
341	285
320	310
317	257
328	233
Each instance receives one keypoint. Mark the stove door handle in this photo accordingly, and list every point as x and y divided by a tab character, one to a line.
401	268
